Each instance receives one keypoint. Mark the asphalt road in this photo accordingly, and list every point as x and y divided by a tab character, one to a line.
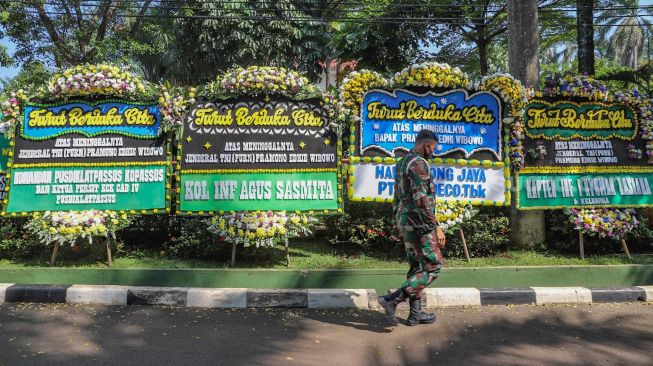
610	334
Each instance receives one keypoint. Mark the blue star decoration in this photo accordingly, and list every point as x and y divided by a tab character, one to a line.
483	131
439	147
443	101
376	126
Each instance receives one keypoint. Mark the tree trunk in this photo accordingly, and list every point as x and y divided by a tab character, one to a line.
482	56
527	227
585	36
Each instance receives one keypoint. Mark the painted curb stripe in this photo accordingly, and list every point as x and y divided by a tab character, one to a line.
36	293
649	292
3	290
562	295
277	298
299	298
617	294
157	296
506	296
216	298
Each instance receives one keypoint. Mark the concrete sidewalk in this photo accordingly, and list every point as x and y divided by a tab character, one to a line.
311	298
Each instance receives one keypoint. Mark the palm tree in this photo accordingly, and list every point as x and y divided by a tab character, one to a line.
627	28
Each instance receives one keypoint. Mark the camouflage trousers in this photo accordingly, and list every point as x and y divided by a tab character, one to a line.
425	260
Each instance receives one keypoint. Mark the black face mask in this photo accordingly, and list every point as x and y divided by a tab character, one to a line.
428	155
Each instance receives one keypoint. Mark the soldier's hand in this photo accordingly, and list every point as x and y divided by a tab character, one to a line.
440	237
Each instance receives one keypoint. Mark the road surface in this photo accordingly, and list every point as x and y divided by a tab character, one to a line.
39	334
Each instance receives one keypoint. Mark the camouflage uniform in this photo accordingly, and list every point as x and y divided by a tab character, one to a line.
414	214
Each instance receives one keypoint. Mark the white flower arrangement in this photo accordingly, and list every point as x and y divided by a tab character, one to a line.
66	227
260	228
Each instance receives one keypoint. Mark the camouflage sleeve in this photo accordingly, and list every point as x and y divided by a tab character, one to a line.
419	186
395	199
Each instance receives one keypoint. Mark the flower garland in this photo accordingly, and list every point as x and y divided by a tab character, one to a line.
94	80
261	80
604	223
173	104
432	75
260	228
451	215
67	226
354	87
571	85
516	97
11	111
644	108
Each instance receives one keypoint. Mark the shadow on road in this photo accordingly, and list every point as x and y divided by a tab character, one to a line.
32	334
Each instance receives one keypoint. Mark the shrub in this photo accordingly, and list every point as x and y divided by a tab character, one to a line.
363	225
488	233
16	242
193	240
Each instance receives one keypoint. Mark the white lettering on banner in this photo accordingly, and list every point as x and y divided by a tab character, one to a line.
452	183
540	188
584	152
259	190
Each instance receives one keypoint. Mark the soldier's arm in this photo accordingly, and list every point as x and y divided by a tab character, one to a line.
396	233
419	182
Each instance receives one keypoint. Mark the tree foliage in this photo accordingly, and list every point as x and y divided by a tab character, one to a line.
71	32
267	32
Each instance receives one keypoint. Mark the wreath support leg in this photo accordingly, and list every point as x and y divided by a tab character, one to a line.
233	254
287	254
55	252
109	259
625	247
581	242
462	238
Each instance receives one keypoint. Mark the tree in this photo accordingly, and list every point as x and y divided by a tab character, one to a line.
216	35
31	75
384	36
626	30
70	32
585	36
470	30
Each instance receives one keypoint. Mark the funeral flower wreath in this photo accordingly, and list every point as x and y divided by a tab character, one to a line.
604	222
441	76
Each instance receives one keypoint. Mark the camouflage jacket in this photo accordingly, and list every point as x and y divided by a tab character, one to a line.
414	195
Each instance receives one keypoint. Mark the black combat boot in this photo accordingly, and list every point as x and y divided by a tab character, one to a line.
417	316
389	303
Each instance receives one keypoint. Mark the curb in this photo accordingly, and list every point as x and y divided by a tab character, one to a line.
311	298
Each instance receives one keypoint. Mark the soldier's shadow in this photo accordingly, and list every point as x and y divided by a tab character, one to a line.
366	320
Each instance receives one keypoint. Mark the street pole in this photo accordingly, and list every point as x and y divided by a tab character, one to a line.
527	227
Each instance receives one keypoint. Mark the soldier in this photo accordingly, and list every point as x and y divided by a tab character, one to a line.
415	222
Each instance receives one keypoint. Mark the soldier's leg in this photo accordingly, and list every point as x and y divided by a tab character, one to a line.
430	262
390	302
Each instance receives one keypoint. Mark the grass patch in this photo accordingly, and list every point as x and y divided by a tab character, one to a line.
319	255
